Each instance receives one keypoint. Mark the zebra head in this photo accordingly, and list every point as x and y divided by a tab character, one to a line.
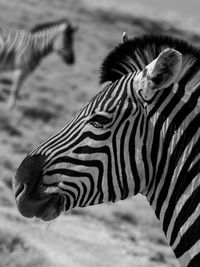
64	43
57	36
99	155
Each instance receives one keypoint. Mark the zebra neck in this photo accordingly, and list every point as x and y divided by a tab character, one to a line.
175	194
180	222
174	177
43	43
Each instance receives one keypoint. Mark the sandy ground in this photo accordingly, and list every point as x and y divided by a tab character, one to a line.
125	234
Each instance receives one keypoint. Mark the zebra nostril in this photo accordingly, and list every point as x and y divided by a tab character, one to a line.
20	188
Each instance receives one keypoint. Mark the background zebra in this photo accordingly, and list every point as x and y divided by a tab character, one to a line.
140	134
21	51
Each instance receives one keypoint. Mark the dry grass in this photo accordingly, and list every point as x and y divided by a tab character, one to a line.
15	251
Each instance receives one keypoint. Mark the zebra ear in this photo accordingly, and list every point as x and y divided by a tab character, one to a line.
160	73
124	37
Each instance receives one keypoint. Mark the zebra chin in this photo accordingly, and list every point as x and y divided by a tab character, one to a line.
45	210
32	197
68	59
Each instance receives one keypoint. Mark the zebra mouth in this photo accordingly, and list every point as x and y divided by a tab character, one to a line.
51	209
46	206
54	204
68	59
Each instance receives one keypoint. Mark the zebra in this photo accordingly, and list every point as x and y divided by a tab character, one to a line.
139	134
21	51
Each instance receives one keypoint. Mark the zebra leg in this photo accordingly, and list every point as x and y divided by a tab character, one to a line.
18	79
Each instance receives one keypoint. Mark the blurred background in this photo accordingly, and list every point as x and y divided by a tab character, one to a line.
121	235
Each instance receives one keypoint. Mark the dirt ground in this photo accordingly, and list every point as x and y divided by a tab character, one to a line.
121	235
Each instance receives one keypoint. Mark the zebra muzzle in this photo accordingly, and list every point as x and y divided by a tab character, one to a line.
27	186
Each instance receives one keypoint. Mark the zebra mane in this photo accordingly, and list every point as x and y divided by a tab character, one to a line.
46	25
136	53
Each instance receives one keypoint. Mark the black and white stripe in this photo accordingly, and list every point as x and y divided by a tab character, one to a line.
128	141
21	51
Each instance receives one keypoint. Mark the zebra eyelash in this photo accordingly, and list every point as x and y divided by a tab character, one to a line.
96	125
99	121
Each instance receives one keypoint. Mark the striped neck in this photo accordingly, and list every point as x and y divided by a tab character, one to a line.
43	40
173	162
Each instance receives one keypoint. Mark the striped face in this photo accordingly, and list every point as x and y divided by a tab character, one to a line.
79	165
97	157
64	44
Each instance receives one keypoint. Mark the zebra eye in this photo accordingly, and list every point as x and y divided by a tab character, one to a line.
96	124
99	121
